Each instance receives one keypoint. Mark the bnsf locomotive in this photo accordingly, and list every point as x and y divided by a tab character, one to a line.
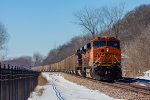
99	59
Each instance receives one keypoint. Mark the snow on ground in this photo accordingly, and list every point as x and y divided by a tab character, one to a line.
60	89
146	75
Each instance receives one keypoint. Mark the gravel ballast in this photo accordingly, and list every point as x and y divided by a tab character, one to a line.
114	92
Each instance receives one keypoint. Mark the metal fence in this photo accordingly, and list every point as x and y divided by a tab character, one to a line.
16	83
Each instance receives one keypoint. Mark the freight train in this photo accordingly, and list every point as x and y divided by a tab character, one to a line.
99	59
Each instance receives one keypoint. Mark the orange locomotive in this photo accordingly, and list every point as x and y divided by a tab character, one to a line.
100	59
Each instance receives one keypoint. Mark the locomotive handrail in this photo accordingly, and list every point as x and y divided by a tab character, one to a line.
116	59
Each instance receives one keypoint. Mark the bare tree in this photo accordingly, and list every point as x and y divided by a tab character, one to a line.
100	20
3	40
89	20
37	58
3	36
111	19
3	53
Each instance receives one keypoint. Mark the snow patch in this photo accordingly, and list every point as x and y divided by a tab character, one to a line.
146	75
60	89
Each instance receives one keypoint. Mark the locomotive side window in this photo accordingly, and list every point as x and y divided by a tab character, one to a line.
97	44
113	44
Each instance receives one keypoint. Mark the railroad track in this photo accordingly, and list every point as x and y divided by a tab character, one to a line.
135	88
131	87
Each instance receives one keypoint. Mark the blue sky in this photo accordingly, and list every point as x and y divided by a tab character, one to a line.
40	25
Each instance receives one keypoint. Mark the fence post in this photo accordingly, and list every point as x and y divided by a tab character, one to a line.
5	83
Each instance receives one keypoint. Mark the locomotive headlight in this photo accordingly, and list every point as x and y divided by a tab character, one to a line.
107	49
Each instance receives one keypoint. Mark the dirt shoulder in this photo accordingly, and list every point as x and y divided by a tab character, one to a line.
42	80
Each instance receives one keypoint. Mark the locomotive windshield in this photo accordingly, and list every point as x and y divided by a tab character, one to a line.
113	44
97	44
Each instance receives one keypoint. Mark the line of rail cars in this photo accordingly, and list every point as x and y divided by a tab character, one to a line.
99	59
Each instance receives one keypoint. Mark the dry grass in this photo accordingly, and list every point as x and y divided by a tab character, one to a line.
42	80
39	90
